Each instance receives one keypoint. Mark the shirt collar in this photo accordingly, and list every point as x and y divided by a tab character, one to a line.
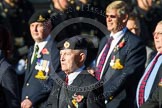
43	43
73	75
158	53
118	34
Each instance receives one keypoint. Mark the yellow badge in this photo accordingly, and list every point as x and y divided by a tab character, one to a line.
111	97
66	44
41	18
40	75
117	65
77	99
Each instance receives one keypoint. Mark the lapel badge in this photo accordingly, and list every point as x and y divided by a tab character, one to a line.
38	64
45	51
77	99
43	68
41	18
47	68
160	83
39	55
40	75
112	62
45	64
66	44
116	64
120	45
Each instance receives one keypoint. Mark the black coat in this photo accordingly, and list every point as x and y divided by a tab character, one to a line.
9	90
84	85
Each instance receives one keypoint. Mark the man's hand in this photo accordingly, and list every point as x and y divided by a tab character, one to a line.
91	70
26	103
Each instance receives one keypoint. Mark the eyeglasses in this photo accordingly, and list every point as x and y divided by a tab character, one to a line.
157	33
111	16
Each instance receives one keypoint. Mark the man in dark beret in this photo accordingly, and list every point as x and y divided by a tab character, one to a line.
42	61
39	16
77	42
79	89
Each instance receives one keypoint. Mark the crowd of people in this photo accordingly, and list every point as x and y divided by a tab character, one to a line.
81	54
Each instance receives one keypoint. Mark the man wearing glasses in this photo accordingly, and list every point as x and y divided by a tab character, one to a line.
120	64
152	96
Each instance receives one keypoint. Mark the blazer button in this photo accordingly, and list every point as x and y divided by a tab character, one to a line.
27	84
111	97
26	97
106	101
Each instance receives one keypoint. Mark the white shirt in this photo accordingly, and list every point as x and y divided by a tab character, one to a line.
116	37
41	45
150	79
73	75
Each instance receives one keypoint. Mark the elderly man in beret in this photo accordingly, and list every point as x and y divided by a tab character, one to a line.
42	61
80	88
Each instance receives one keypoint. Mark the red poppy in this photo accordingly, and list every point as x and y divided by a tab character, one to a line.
121	44
45	51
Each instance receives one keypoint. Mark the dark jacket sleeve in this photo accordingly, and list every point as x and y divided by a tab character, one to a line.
43	94
10	88
96	99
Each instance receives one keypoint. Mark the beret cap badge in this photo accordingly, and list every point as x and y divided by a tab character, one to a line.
66	44
41	18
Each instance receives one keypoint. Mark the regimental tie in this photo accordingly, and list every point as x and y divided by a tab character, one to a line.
144	81
36	49
66	80
103	58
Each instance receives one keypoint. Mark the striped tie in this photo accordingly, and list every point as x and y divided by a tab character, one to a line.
144	81
36	49
103	58
66	80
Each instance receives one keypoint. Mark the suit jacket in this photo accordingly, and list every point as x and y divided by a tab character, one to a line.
120	82
37	89
154	80
155	99
9	90
83	85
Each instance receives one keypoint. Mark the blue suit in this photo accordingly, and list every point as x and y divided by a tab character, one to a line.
120	84
155	99
37	89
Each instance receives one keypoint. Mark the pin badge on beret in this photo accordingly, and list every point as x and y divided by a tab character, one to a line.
66	44
41	18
